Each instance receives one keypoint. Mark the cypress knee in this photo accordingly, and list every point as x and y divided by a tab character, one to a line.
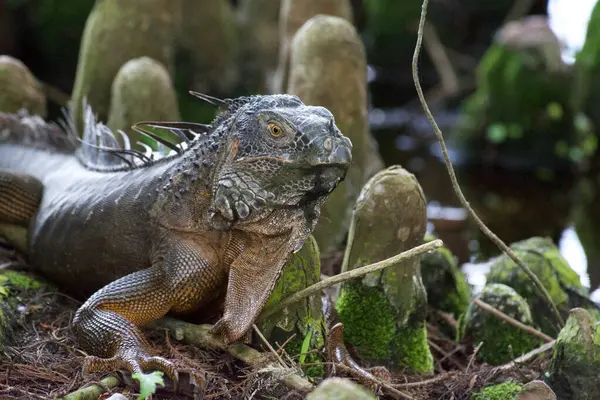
328	68
384	312
293	14
141	91
115	32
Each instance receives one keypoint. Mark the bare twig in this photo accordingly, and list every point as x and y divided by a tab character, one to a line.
266	342
355	273
472	356
512	321
454	181
525	358
439	378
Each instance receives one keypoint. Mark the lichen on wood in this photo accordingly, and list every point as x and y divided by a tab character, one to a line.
501	341
575	366
544	259
384	312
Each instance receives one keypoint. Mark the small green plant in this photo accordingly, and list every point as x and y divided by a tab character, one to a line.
148	383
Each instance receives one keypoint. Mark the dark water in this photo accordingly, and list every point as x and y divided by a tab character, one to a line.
515	204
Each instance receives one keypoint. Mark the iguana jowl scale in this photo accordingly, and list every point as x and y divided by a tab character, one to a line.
209	227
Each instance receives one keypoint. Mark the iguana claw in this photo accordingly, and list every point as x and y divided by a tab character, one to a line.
132	361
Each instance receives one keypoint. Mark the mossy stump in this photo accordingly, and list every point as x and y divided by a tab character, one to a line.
521	115
304	318
20	89
384	312
575	367
328	68
115	32
141	91
498	337
544	259
293	14
446	285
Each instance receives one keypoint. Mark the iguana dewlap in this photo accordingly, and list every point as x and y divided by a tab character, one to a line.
143	237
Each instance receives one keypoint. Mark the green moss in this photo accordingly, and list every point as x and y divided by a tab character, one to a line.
573	372
545	261
503	391
498	337
410	348
368	319
18	280
446	284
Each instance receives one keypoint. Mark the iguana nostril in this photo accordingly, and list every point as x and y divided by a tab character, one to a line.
328	144
342	155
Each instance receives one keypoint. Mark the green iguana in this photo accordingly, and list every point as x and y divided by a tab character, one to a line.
207	227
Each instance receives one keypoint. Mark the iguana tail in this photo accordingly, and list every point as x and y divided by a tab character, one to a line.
32	131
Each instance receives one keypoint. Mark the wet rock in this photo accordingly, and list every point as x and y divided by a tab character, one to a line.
574	370
115	32
304	318
141	91
339	389
544	259
293	14
446	285
536	390
328	68
259	41
502	391
20	89
478	325
521	115
384	312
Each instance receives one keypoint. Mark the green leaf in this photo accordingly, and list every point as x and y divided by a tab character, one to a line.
305	345
148	383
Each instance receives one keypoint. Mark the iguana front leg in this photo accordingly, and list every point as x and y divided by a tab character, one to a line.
107	325
252	277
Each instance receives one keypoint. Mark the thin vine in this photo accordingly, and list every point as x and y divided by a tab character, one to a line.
455	185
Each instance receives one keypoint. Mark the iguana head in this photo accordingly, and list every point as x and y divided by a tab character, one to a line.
275	152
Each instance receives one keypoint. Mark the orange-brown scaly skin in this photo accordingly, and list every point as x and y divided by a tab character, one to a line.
176	234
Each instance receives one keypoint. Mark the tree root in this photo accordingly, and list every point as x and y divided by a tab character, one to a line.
93	391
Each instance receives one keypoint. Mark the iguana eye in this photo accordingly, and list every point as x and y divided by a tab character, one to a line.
275	129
